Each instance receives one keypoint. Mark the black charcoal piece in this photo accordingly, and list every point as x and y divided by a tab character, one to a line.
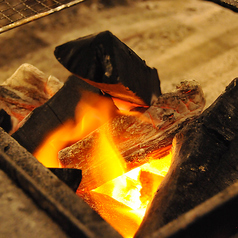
108	64
205	162
5	121
56	111
72	177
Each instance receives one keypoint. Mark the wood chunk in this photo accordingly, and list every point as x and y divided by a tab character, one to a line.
27	89
5	121
105	62
216	217
204	163
71	177
136	138
52	114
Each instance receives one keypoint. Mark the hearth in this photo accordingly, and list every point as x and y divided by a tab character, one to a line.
197	197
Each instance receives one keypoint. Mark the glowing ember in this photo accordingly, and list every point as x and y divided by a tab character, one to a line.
119	196
134	189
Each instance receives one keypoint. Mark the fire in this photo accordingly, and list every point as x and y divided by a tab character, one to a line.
91	112
120	196
122	202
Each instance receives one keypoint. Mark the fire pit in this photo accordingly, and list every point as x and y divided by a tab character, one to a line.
132	146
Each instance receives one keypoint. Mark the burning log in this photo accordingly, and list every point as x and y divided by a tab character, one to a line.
27	89
105	62
55	112
204	163
135	138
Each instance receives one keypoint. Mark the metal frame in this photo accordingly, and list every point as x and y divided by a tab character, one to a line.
14	13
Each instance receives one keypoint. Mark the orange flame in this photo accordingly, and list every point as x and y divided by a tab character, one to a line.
122	202
120	197
91	112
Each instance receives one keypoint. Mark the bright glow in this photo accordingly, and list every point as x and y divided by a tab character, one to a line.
135	189
125	106
92	111
120	196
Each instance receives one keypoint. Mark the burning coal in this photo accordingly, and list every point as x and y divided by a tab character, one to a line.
120	135
127	156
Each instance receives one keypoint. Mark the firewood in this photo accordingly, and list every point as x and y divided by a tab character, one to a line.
55	112
27	89
136	138
5	121
71	177
105	62
204	163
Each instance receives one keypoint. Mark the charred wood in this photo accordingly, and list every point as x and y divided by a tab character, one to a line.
105	62
136	138
72	177
52	114
5	121
27	89
204	163
216	217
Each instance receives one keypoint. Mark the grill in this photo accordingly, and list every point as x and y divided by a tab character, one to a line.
14	13
215	216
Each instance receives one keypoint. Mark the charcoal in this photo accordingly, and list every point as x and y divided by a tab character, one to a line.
5	121
105	62
55	112
204	163
137	138
72	177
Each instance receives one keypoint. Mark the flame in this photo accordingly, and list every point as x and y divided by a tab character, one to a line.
133	191
120	196
106	159
91	112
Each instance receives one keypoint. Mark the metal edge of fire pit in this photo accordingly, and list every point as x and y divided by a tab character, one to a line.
36	16
51	194
216	217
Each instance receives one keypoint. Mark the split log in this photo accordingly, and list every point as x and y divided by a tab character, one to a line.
55	112
136	138
103	61
27	89
204	163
